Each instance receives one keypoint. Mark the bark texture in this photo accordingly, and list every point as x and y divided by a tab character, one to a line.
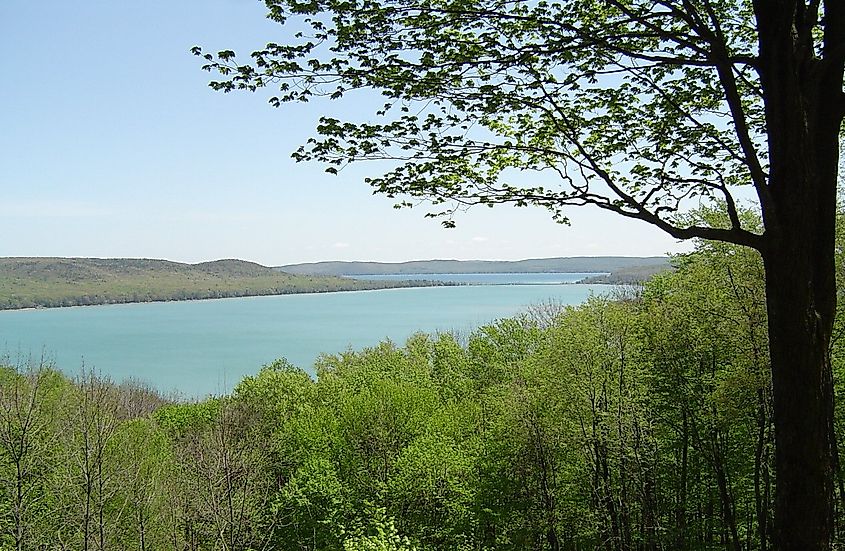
803	102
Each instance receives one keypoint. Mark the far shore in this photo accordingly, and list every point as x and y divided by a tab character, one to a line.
34	283
412	285
430	284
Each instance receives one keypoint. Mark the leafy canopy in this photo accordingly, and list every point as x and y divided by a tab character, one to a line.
640	107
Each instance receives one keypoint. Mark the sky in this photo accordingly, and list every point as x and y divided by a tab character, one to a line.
112	145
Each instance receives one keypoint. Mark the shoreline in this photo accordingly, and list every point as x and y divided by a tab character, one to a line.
252	295
435	284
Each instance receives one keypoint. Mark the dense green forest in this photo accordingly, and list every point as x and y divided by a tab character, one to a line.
52	282
637	422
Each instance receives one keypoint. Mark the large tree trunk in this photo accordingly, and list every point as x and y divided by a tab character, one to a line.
801	303
803	109
800	320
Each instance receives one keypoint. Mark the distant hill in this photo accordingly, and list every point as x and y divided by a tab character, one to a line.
586	264
52	282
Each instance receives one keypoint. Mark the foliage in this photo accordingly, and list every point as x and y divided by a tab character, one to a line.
637	422
632	107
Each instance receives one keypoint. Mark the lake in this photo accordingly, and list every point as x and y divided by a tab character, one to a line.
206	347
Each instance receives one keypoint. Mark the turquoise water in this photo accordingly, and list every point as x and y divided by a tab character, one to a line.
202	347
550	278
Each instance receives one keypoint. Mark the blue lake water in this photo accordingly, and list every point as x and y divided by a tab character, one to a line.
551	278
206	347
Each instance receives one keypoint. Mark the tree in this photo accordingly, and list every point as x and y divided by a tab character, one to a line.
91	486
639	107
143	459
29	396
704	334
227	469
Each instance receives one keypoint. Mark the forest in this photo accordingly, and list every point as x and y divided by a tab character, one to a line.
640	421
59	282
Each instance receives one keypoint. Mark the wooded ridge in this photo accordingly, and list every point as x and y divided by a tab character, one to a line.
586	264
55	282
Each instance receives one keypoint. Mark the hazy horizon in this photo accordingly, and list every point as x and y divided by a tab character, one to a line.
440	259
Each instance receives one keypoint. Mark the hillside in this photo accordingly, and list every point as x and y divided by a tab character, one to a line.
587	264
53	282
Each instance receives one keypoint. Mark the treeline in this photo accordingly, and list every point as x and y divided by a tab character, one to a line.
633	423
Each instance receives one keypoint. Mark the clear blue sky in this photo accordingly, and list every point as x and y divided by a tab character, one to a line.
113	145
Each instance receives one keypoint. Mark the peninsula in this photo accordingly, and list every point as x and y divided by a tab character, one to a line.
56	282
